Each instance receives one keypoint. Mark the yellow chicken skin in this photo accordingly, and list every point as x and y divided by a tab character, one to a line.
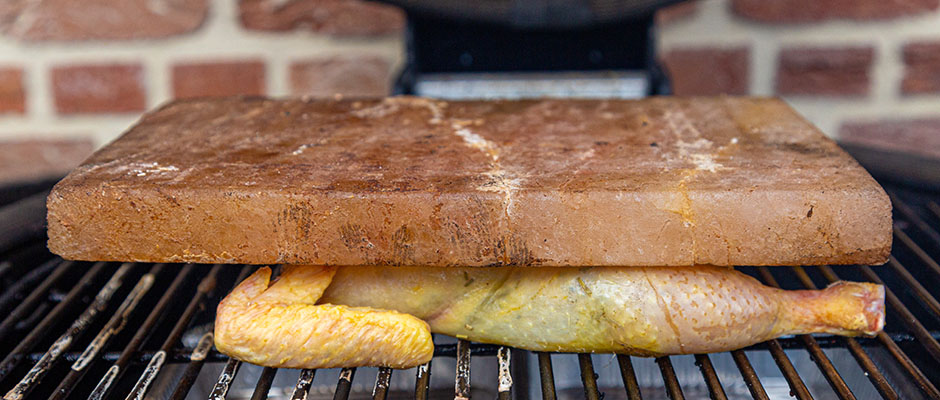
625	310
281	326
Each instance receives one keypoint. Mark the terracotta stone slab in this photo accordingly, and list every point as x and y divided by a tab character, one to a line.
660	181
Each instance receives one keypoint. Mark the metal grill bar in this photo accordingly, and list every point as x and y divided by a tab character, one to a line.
911	216
933	207
505	375
877	379
15	291
156	363
547	376
797	387
906	317
81	323
751	380
628	375
462	376
344	384
382	380
423	381
35	297
822	361
588	377
715	391
919	252
264	383
919	290
780	358
673	389
303	384
225	379
143	331
117	323
909	366
196	360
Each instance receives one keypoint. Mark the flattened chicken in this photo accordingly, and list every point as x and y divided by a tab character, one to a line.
638	311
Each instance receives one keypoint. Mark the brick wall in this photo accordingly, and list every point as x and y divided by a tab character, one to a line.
867	71
83	71
77	73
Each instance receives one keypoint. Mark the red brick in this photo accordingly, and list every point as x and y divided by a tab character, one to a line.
921	68
676	12
799	11
708	70
12	93
353	76
225	78
67	20
336	17
30	159
918	136
825	71
114	88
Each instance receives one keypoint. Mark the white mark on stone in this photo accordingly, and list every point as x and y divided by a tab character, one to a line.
501	181
145	168
300	149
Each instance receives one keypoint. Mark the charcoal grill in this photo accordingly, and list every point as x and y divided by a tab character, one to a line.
71	330
135	331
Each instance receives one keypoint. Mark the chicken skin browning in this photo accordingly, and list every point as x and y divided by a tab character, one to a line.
625	310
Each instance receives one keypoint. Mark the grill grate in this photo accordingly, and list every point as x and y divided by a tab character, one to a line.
106	330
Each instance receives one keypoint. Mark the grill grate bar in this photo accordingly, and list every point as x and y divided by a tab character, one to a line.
917	250
155	316
628	375
15	291
155	364
789	372
35	297
877	379
822	361
919	290
196	360
264	383
906	317
715	391
343	384
673	389
77	328
933	207
751	380
202	291
909	366
912	217
225	379
505	375
382	381
116	324
304	382
797	386
423	381
588	377
546	376
231	367
462	376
